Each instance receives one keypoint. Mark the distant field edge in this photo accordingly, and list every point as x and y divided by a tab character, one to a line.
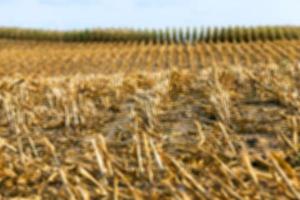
234	34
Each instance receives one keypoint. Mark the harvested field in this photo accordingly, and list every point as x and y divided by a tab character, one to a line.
59	59
116	114
212	132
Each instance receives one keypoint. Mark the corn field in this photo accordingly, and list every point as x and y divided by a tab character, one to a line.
149	120
161	36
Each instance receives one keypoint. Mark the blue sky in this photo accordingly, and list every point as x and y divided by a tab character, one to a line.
78	14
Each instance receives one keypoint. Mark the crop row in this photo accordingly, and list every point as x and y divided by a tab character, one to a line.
89	58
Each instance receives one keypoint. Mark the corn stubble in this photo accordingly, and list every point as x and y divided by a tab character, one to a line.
59	59
211	133
150	115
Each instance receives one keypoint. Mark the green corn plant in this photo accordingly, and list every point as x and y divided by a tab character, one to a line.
215	34
281	34
188	35
168	36
194	35
231	34
208	34
181	36
223	34
201	35
239	34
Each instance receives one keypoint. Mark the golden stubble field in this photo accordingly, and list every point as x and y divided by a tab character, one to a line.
59	58
134	121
